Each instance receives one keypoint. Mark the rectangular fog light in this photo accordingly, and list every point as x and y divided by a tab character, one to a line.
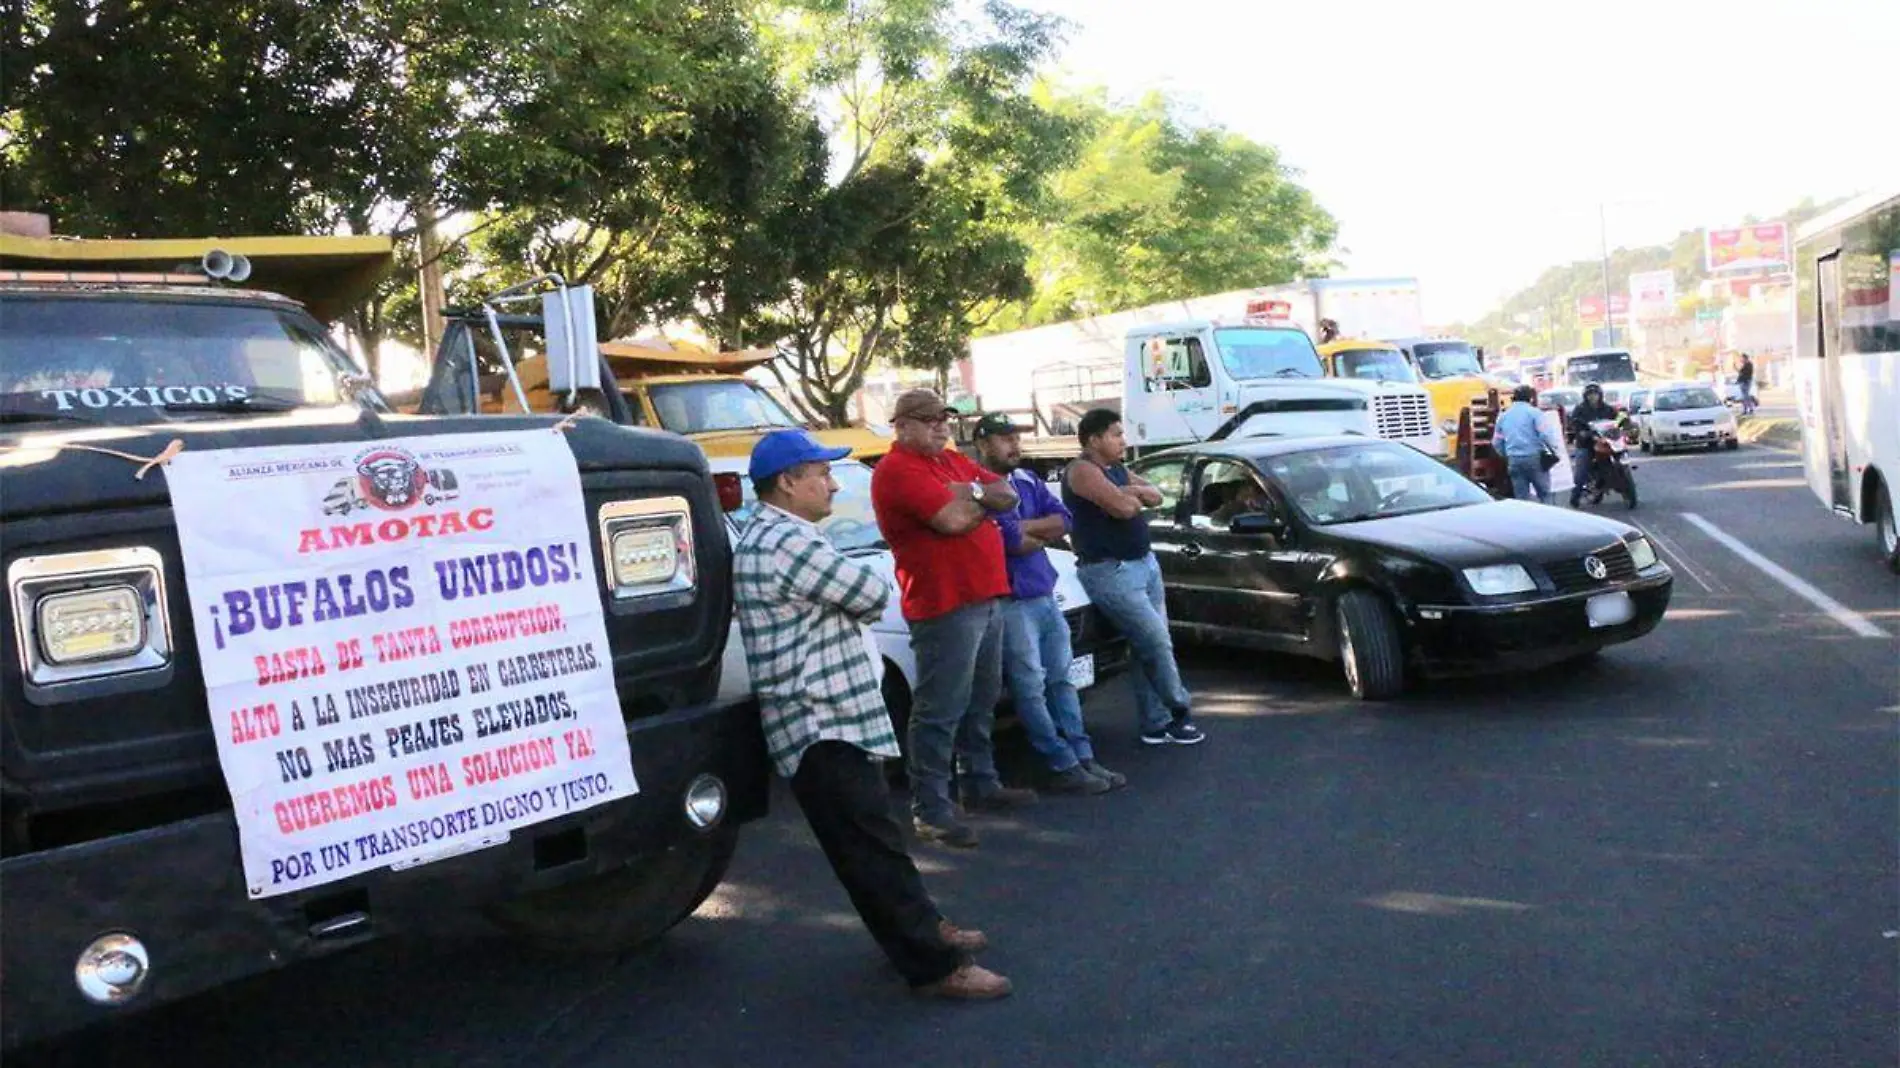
83	626
644	556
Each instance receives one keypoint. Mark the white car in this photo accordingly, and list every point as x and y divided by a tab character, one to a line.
853	528
1686	415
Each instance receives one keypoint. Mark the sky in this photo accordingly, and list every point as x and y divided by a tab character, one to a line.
1469	143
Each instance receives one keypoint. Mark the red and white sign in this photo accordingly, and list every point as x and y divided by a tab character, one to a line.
1653	294
1590	308
1762	247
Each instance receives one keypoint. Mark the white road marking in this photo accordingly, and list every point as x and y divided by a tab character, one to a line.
1681	559
1834	609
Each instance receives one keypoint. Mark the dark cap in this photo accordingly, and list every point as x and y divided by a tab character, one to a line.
994	423
917	404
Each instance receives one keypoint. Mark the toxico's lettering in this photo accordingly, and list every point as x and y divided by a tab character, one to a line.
142	396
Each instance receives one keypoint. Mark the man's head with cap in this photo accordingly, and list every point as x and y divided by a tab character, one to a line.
792	469
999	442
921	420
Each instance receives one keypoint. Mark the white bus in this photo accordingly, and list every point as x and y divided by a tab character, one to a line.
1847	361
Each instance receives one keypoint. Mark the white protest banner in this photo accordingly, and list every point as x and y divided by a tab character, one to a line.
402	647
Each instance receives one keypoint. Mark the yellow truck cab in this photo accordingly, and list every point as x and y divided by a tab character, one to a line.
697	393
1450	370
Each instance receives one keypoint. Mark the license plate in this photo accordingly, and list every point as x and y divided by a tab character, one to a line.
1609	609
454	850
1082	672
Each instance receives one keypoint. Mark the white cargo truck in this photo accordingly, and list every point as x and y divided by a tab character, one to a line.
1198	379
1377	309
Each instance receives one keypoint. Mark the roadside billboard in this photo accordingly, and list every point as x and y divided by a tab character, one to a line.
1761	247
1653	294
1590	308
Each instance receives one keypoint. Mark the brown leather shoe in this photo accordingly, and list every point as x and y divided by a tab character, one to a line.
958	938
972	982
999	799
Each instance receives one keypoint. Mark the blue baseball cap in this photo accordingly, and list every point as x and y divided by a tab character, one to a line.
782	450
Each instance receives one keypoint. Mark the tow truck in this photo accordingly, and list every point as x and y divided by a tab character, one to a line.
119	844
701	394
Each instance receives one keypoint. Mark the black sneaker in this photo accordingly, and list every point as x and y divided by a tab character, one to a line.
1159	737
1183	732
949	832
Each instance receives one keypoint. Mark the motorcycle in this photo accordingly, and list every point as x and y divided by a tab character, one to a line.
1610	465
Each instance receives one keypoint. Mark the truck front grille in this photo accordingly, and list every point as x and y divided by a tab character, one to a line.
1407	416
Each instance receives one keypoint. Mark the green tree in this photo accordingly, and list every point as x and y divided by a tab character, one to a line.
941	152
1156	208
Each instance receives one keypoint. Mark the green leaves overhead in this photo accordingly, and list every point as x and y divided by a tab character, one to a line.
854	181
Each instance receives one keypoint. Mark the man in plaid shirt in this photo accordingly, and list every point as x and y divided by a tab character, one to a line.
801	606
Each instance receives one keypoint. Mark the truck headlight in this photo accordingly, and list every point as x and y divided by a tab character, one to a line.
86	625
648	545
1642	552
87	615
1500	579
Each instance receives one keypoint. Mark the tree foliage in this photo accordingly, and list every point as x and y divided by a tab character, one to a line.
1157	208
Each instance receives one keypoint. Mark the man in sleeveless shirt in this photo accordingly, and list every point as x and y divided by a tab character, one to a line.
937	509
1121	575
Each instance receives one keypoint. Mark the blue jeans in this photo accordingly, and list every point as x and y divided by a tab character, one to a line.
1036	655
953	709
1130	594
1529	479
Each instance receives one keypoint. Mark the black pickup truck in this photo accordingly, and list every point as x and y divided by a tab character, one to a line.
119	850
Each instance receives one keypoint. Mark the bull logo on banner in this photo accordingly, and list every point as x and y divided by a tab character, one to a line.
390	480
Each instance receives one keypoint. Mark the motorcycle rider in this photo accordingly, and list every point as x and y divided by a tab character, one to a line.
1591	409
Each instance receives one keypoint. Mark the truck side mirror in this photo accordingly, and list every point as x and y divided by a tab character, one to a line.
567	317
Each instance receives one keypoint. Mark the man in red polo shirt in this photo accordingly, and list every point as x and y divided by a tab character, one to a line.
935	508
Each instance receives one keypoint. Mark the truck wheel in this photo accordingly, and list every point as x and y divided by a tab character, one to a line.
1369	648
623	909
1888	527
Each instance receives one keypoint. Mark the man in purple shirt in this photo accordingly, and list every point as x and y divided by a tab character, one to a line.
1036	642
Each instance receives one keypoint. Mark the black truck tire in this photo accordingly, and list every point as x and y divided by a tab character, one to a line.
1369	647
1887	526
626	908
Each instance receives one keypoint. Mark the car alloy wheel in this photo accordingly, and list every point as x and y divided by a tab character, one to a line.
1888	526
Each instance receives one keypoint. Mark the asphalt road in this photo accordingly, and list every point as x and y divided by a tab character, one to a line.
1683	855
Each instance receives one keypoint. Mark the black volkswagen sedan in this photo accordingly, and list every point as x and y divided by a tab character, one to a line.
1378	556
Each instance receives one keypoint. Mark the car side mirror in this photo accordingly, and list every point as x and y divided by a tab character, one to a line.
1646	410
1258	523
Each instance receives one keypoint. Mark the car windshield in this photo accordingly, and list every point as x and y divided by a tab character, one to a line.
852	525
1384	365
718	404
1267	352
1446	359
1376	480
1611	367
1560	398
1678	400
136	359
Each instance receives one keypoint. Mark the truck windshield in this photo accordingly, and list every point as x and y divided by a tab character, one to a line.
1609	367
135	358
1384	365
718	404
1267	352
852	524
1446	359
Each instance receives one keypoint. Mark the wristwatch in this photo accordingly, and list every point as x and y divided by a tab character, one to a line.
976	492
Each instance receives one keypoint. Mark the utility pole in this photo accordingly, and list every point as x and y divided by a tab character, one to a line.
1603	231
